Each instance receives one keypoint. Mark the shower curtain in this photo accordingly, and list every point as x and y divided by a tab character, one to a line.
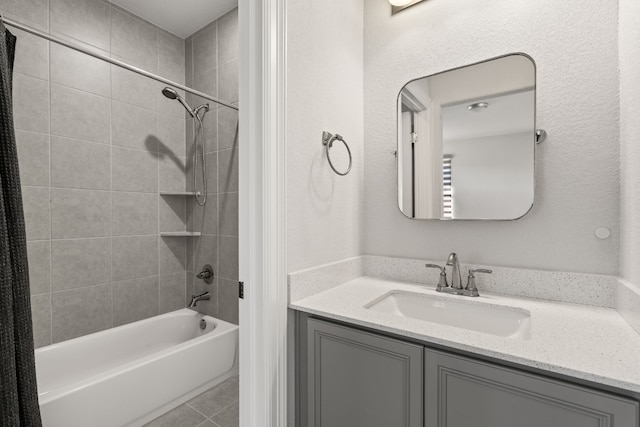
18	388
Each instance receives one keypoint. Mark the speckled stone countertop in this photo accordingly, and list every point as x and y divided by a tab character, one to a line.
586	342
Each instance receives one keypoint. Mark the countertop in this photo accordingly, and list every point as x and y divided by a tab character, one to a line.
585	342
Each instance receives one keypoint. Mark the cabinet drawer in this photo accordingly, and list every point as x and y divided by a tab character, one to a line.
463	392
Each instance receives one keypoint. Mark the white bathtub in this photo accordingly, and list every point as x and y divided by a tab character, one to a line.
129	375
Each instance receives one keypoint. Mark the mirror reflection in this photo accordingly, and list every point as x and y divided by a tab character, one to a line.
466	140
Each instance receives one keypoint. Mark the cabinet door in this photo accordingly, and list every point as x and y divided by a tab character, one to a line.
359	379
462	392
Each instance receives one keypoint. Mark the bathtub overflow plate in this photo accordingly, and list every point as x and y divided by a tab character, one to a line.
203	324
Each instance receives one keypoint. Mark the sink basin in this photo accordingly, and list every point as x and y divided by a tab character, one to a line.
473	315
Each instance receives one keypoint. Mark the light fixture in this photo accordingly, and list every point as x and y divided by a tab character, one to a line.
478	107
398	5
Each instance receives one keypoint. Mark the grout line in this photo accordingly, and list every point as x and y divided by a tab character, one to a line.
49	186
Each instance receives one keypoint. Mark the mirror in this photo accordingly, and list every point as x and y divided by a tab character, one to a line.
466	142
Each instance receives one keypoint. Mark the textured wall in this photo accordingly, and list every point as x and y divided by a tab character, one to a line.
324	92
212	67
577	168
97	145
629	45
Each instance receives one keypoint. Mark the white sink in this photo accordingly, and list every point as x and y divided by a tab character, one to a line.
453	311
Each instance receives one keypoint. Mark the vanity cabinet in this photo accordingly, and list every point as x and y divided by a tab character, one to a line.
348	377
464	392
357	378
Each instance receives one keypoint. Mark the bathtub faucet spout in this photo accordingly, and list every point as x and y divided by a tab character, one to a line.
195	299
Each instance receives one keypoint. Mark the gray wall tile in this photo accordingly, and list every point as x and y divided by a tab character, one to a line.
173	213
228	257
227	128
84	20
205	56
133	88
171	135
228	300
171	56
188	61
172	254
32	55
143	52
80	164
213	183
39	255
228	214
33	156
228	73
80	263
133	127
81	115
35	201
30	103
228	36
202	250
33	12
173	176
80	312
135	300
80	213
206	82
134	257
172	292
134	214
134	171
228	170
80	71
210	133
41	319
203	218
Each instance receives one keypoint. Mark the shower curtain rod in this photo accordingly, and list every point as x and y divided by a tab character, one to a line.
113	61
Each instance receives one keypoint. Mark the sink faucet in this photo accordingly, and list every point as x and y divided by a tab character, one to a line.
456	278
195	299
456	281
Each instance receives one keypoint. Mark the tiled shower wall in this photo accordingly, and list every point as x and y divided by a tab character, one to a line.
212	67
97	145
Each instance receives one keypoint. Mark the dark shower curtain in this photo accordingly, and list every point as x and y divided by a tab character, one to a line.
18	388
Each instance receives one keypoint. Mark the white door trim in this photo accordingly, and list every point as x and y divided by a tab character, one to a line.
262	209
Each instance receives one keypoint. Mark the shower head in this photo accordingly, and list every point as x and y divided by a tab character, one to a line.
172	94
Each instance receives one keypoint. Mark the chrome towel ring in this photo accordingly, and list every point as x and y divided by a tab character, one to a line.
327	140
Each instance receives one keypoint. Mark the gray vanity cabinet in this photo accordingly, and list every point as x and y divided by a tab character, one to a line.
463	392
356	378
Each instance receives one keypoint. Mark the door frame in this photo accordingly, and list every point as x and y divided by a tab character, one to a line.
262	213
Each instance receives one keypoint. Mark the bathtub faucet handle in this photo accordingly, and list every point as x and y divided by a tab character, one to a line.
195	299
206	274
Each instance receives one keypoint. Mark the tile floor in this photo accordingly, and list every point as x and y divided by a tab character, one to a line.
216	407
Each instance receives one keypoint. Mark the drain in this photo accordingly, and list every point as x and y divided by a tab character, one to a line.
203	324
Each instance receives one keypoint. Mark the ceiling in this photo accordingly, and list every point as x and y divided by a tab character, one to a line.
180	17
506	114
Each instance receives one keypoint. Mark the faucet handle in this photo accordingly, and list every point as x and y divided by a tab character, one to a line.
442	283
471	281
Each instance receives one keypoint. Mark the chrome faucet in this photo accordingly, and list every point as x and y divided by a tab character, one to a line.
195	299
456	278
456	281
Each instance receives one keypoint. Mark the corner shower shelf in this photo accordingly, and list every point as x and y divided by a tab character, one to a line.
180	234
177	193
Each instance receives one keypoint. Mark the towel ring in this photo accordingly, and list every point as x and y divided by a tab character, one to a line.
328	140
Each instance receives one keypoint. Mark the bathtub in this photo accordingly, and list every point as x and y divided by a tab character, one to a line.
131	374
